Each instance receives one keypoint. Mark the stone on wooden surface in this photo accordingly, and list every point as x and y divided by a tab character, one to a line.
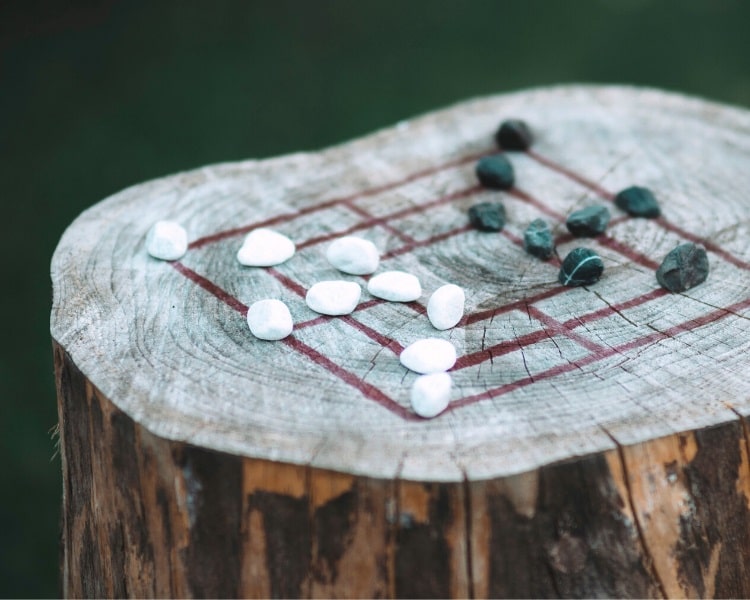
431	394
638	201
429	355
353	255
495	172
537	239
265	248
588	222
582	266
514	134
167	240
446	306
395	286
683	268
269	319
333	298
487	216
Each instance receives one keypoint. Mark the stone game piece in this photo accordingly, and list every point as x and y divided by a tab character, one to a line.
353	255
269	320
581	266
487	216
683	268
395	286
445	308
638	201
537	239
334	298
167	240
495	172
265	248
429	355
431	394
588	222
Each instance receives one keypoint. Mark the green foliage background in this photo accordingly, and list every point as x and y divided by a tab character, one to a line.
97	95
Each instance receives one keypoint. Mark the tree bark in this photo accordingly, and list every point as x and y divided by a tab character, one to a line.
596	443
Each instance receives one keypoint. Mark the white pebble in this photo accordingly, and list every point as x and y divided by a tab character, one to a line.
353	255
333	297
431	394
269	319
395	286
446	306
167	240
265	248
429	355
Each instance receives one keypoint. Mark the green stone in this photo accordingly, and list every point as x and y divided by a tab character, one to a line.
537	239
487	216
495	172
588	222
683	268
581	266
514	134
638	202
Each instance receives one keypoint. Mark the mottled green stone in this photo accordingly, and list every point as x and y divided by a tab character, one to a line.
683	268
638	202
514	134
581	266
495	172
487	216
588	222
537	239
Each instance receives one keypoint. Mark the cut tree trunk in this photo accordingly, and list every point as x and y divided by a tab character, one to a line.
596	443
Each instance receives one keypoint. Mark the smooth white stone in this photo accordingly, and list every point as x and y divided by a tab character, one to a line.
396	286
265	248
333	297
431	394
269	320
446	306
353	255
166	240
429	355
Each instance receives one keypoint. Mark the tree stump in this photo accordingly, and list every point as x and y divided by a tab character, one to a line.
596	443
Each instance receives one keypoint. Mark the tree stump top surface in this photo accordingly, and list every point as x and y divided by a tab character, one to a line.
545	373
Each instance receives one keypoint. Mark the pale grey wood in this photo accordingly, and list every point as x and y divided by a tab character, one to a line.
185	366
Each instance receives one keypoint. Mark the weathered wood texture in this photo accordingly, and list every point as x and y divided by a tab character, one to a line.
596	443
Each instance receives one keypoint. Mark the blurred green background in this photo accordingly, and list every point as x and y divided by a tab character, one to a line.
98	95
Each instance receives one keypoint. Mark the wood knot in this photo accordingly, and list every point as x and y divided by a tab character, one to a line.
568	554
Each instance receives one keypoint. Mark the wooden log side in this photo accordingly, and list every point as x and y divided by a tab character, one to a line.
147	517
596	444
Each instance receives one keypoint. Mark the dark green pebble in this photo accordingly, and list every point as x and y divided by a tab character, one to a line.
638	201
581	266
495	172
487	216
588	222
514	134
683	268
537	239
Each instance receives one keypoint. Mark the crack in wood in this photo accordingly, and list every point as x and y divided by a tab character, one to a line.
651	565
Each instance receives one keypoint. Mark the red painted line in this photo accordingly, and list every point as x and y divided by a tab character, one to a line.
288	283
500	349
210	287
366	389
404	237
614	308
593	186
428	242
493	312
405	212
554	325
708	245
374	335
627	252
283	218
607	353
540	206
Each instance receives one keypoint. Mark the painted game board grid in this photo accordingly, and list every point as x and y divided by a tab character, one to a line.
552	326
